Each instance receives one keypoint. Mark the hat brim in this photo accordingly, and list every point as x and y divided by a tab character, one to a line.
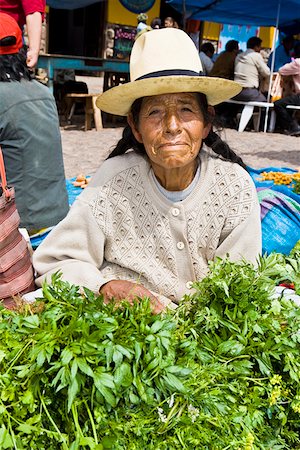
118	100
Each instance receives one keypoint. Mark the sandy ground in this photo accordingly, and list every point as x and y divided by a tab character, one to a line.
84	151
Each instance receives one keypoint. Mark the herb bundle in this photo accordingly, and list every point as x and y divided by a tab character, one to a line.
220	372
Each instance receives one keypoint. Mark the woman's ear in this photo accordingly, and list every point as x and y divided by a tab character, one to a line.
207	128
134	129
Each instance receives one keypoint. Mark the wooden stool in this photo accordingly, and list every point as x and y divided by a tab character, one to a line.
90	109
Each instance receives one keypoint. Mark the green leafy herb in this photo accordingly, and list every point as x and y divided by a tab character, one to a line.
220	372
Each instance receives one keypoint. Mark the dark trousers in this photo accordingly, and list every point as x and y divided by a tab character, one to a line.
284	116
250	95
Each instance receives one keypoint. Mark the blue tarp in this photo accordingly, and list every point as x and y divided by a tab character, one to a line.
241	12
235	12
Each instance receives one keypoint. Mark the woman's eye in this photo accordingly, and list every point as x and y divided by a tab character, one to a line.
187	109
153	112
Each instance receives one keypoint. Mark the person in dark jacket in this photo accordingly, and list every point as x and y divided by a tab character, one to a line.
29	136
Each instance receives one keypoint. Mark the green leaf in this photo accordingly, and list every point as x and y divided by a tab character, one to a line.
84	367
31	321
25	428
5	438
174	383
74	368
138	347
156	326
232	347
108	442
264	368
123	375
66	356
105	384
2	355
72	392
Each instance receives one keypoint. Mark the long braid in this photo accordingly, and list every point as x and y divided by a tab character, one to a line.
127	142
13	67
221	148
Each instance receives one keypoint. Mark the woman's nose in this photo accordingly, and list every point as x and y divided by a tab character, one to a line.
172	123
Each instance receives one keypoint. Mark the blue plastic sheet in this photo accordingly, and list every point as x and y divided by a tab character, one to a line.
73	192
280	212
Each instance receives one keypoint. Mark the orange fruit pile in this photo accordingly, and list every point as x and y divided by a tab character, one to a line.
280	177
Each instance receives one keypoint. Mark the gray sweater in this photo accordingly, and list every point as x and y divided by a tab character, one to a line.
123	227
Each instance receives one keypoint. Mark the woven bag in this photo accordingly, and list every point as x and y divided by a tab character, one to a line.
16	271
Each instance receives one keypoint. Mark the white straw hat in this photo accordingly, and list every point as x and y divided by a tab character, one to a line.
165	61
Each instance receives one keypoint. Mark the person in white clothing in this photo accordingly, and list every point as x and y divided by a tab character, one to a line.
207	51
249	71
171	197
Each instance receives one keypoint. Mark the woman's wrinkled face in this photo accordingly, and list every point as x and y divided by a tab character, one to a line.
171	128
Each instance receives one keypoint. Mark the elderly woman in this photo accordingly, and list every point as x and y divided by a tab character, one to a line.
163	205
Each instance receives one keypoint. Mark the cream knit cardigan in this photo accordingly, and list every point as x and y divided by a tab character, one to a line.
122	227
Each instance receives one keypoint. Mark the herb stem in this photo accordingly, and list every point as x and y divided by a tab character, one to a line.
65	447
12	434
75	417
92	422
17	356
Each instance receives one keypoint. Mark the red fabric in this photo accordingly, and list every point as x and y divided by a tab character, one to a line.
193	26
19	9
16	271
288	285
9	27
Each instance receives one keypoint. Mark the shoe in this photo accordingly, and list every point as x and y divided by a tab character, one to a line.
295	132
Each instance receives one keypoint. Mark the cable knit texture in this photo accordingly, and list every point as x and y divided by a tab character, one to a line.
122	227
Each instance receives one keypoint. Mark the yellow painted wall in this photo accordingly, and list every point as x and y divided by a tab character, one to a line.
116	13
267	36
211	31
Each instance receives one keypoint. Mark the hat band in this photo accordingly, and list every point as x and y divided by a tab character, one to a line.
167	73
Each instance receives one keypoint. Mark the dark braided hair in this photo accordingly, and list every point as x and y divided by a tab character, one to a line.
213	140
13	67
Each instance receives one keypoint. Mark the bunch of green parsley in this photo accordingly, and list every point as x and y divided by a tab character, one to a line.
220	372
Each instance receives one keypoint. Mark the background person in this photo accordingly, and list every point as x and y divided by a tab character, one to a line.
142	22
169	22
29	136
164	204
31	14
207	51
282	53
284	116
249	71
156	23
223	66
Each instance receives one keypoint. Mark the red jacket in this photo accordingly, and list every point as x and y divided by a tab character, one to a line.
19	9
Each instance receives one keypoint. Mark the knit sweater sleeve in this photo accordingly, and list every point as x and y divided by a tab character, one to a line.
72	249
244	241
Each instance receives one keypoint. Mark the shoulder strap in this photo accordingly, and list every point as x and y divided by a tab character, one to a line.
3	177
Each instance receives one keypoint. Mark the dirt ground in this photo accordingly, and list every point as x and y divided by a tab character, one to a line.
84	151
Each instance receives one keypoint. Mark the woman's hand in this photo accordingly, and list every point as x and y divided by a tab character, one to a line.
126	290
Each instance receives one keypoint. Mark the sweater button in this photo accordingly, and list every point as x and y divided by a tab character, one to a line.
180	245
175	212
